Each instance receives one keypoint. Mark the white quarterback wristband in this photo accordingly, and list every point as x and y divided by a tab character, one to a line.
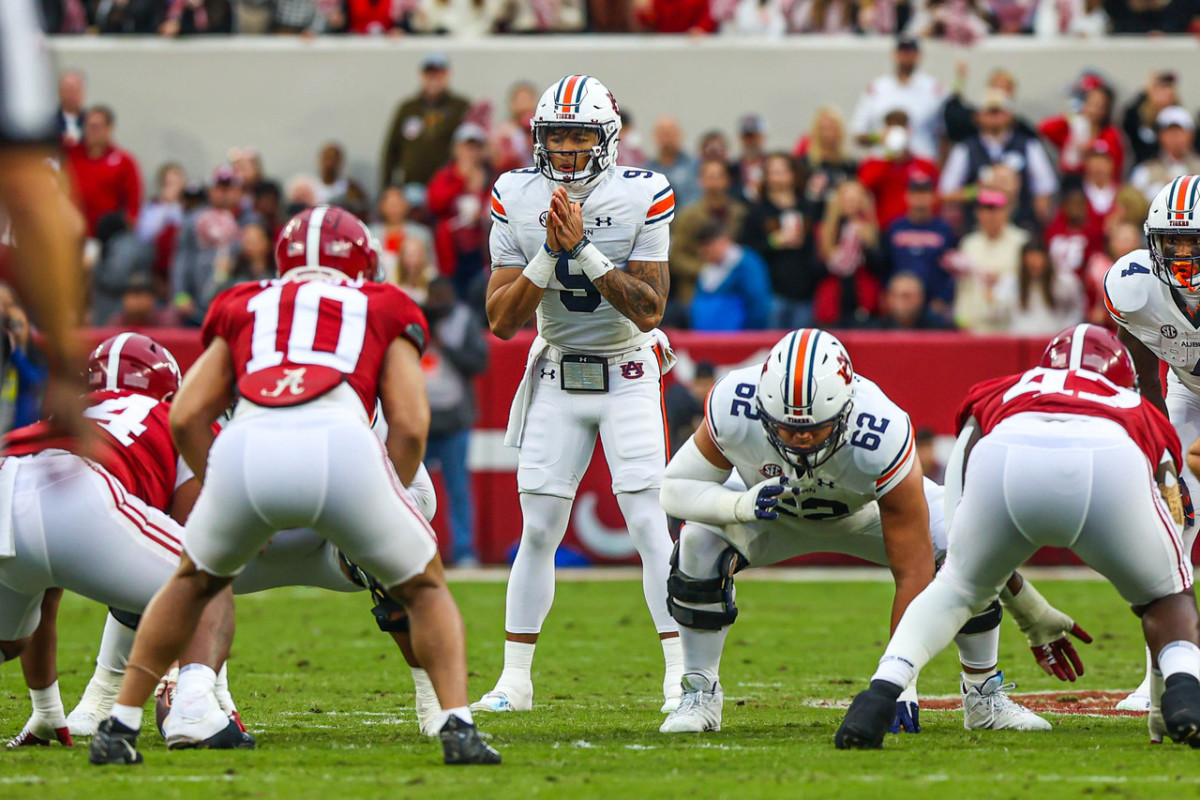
541	268
593	263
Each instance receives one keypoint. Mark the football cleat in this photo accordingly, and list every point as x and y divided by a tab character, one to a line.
39	735
211	730
1181	709
988	707
505	699
699	708
461	744
96	703
231	737
1135	701
114	743
868	717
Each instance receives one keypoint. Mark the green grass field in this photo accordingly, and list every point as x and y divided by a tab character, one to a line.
330	701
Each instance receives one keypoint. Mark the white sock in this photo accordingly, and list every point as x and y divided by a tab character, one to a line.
979	650
672	663
129	716
1180	656
975	680
462	712
518	664
194	690
115	645
221	690
702	650
897	670
421	682
47	702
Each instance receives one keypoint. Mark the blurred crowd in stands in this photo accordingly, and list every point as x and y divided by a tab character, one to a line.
920	208
962	21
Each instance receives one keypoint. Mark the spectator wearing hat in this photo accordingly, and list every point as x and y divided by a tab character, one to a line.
921	243
733	290
419	138
999	142
1140	118
959	115
779	228
105	177
681	168
747	168
716	203
1074	132
140	307
987	255
1176	132
917	93
206	247
904	307
887	172
459	201
1100	181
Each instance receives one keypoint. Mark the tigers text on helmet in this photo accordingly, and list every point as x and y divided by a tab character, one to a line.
1173	232
1092	348
133	363
575	103
326	242
806	387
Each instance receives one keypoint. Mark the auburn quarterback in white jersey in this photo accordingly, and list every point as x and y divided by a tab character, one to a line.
1153	295
582	243
832	466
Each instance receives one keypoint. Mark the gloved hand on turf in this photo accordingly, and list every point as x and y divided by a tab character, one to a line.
908	713
1046	629
759	501
42	730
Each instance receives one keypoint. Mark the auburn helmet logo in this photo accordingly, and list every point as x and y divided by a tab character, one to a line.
844	369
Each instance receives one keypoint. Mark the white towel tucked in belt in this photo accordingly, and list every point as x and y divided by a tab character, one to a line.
8	486
524	396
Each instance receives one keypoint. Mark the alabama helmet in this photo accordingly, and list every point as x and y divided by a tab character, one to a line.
577	101
1092	348
807	385
133	363
326	242
1175	212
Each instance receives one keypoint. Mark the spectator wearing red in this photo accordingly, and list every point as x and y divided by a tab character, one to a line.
674	16
374	16
106	178
886	174
1074	235
458	198
1100	182
849	243
1073	133
162	217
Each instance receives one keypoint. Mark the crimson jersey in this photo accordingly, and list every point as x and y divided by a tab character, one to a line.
293	341
1079	392
134	445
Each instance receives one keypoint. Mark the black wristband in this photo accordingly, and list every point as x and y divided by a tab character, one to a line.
578	248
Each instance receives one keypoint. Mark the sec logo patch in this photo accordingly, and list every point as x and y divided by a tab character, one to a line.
542	219
771	470
1169	331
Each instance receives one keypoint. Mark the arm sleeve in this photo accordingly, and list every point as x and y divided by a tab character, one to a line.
692	489
652	244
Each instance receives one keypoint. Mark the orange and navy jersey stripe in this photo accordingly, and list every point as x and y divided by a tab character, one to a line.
662	207
895	471
1108	303
1184	198
498	212
569	94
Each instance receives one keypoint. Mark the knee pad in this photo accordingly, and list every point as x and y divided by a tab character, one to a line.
682	587
985	620
126	618
390	615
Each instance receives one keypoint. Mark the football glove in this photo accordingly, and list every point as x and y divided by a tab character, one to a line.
1046	629
759	502
908	713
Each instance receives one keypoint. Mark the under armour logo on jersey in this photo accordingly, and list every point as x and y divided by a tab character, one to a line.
604	222
632	370
826	484
548	373
292	382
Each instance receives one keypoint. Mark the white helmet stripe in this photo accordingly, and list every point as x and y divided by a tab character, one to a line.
312	239
1078	336
113	367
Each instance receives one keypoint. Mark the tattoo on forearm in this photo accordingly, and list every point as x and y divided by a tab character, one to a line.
639	291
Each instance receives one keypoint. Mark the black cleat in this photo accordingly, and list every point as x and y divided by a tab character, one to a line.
114	744
868	718
231	737
1181	709
461	744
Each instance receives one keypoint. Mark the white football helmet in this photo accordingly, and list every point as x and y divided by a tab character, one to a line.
577	101
1175	213
807	385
